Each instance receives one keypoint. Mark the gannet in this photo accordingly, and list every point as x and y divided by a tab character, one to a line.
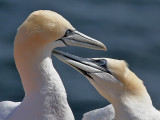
118	84
45	96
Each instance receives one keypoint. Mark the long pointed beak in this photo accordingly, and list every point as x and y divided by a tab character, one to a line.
75	38
83	65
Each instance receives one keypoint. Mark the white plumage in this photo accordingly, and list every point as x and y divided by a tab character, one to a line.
106	113
6	107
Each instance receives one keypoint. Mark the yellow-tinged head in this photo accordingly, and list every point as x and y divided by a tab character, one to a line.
43	26
116	80
120	70
45	30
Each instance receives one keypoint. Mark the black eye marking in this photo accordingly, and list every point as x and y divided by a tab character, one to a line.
68	32
100	62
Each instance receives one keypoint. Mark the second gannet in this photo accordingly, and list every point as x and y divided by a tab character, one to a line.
45	96
118	84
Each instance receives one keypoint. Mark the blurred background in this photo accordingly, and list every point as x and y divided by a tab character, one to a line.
129	28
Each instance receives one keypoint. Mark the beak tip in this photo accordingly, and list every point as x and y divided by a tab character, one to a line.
103	47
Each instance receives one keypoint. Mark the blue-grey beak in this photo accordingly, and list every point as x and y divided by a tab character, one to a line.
75	38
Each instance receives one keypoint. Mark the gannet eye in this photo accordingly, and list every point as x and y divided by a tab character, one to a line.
101	62
68	32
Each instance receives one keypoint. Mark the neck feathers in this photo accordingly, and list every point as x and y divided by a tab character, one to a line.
132	83
45	95
135	102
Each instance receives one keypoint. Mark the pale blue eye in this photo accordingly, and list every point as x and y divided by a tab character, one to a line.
68	32
101	62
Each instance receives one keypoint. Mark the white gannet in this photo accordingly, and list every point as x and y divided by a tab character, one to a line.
116	83
45	96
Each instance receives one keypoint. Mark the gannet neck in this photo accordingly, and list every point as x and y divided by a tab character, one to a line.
134	101
133	107
45	95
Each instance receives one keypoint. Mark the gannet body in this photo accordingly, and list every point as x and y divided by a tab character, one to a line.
6	107
105	113
115	82
45	96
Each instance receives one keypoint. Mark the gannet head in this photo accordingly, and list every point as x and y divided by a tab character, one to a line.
112	78
43	27
49	25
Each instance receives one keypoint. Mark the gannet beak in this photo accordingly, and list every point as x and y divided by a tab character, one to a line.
75	38
83	65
